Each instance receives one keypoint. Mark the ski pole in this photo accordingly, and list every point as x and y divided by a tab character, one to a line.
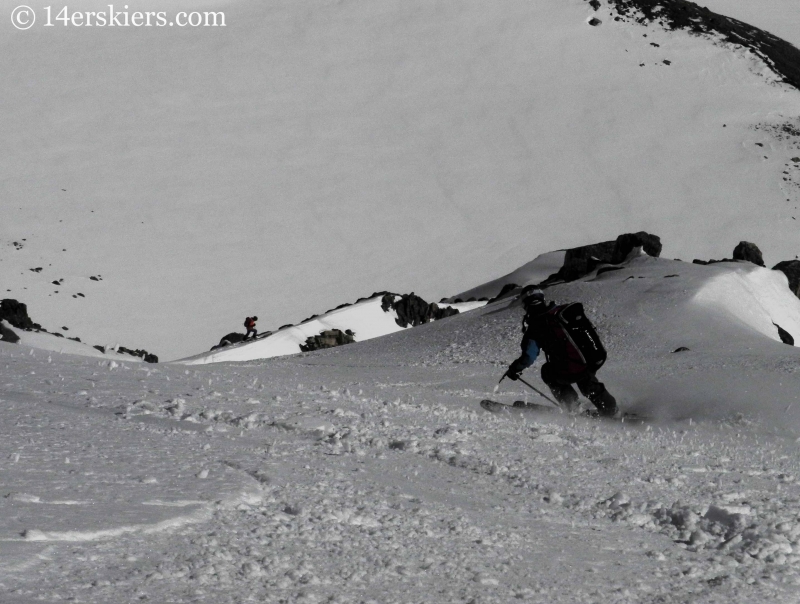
539	392
497	387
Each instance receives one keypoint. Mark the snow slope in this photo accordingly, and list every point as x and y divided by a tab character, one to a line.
308	153
48	342
533	272
368	472
365	319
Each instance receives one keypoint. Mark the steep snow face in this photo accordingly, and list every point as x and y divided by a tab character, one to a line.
365	319
207	174
757	297
535	271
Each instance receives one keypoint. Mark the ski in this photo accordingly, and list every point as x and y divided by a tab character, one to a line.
522	407
518	406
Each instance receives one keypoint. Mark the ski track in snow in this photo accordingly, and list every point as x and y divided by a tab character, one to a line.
369	474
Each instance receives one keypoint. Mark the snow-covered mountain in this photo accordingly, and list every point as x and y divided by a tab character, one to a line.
181	179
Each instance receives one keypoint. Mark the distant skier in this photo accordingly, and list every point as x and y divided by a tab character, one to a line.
250	325
572	347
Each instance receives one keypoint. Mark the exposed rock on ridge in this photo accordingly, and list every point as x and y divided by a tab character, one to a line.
779	54
413	310
581	261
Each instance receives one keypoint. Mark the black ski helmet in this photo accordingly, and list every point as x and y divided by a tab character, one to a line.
533	300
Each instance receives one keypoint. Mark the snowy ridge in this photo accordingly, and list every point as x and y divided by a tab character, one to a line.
46	341
365	319
533	272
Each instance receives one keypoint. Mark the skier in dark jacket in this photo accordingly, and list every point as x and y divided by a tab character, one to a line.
250	325
564	365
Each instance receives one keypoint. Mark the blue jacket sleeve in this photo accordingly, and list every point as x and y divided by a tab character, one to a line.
530	352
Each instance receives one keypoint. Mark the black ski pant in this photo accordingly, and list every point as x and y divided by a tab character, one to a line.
249	331
560	383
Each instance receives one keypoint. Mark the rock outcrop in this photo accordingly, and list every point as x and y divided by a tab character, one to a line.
147	357
779	54
744	252
142	354
330	338
791	268
7	335
748	252
580	261
625	243
414	311
232	338
784	335
16	313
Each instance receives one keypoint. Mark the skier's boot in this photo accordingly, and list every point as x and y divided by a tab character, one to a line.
606	404
566	396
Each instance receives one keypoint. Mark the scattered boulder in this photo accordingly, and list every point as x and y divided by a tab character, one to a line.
329	338
790	268
749	252
7	335
414	311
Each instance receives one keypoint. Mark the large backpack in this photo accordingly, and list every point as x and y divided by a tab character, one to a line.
575	338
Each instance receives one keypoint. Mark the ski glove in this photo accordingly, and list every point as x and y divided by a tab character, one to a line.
515	369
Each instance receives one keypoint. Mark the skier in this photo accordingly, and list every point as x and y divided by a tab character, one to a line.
573	350
250	325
